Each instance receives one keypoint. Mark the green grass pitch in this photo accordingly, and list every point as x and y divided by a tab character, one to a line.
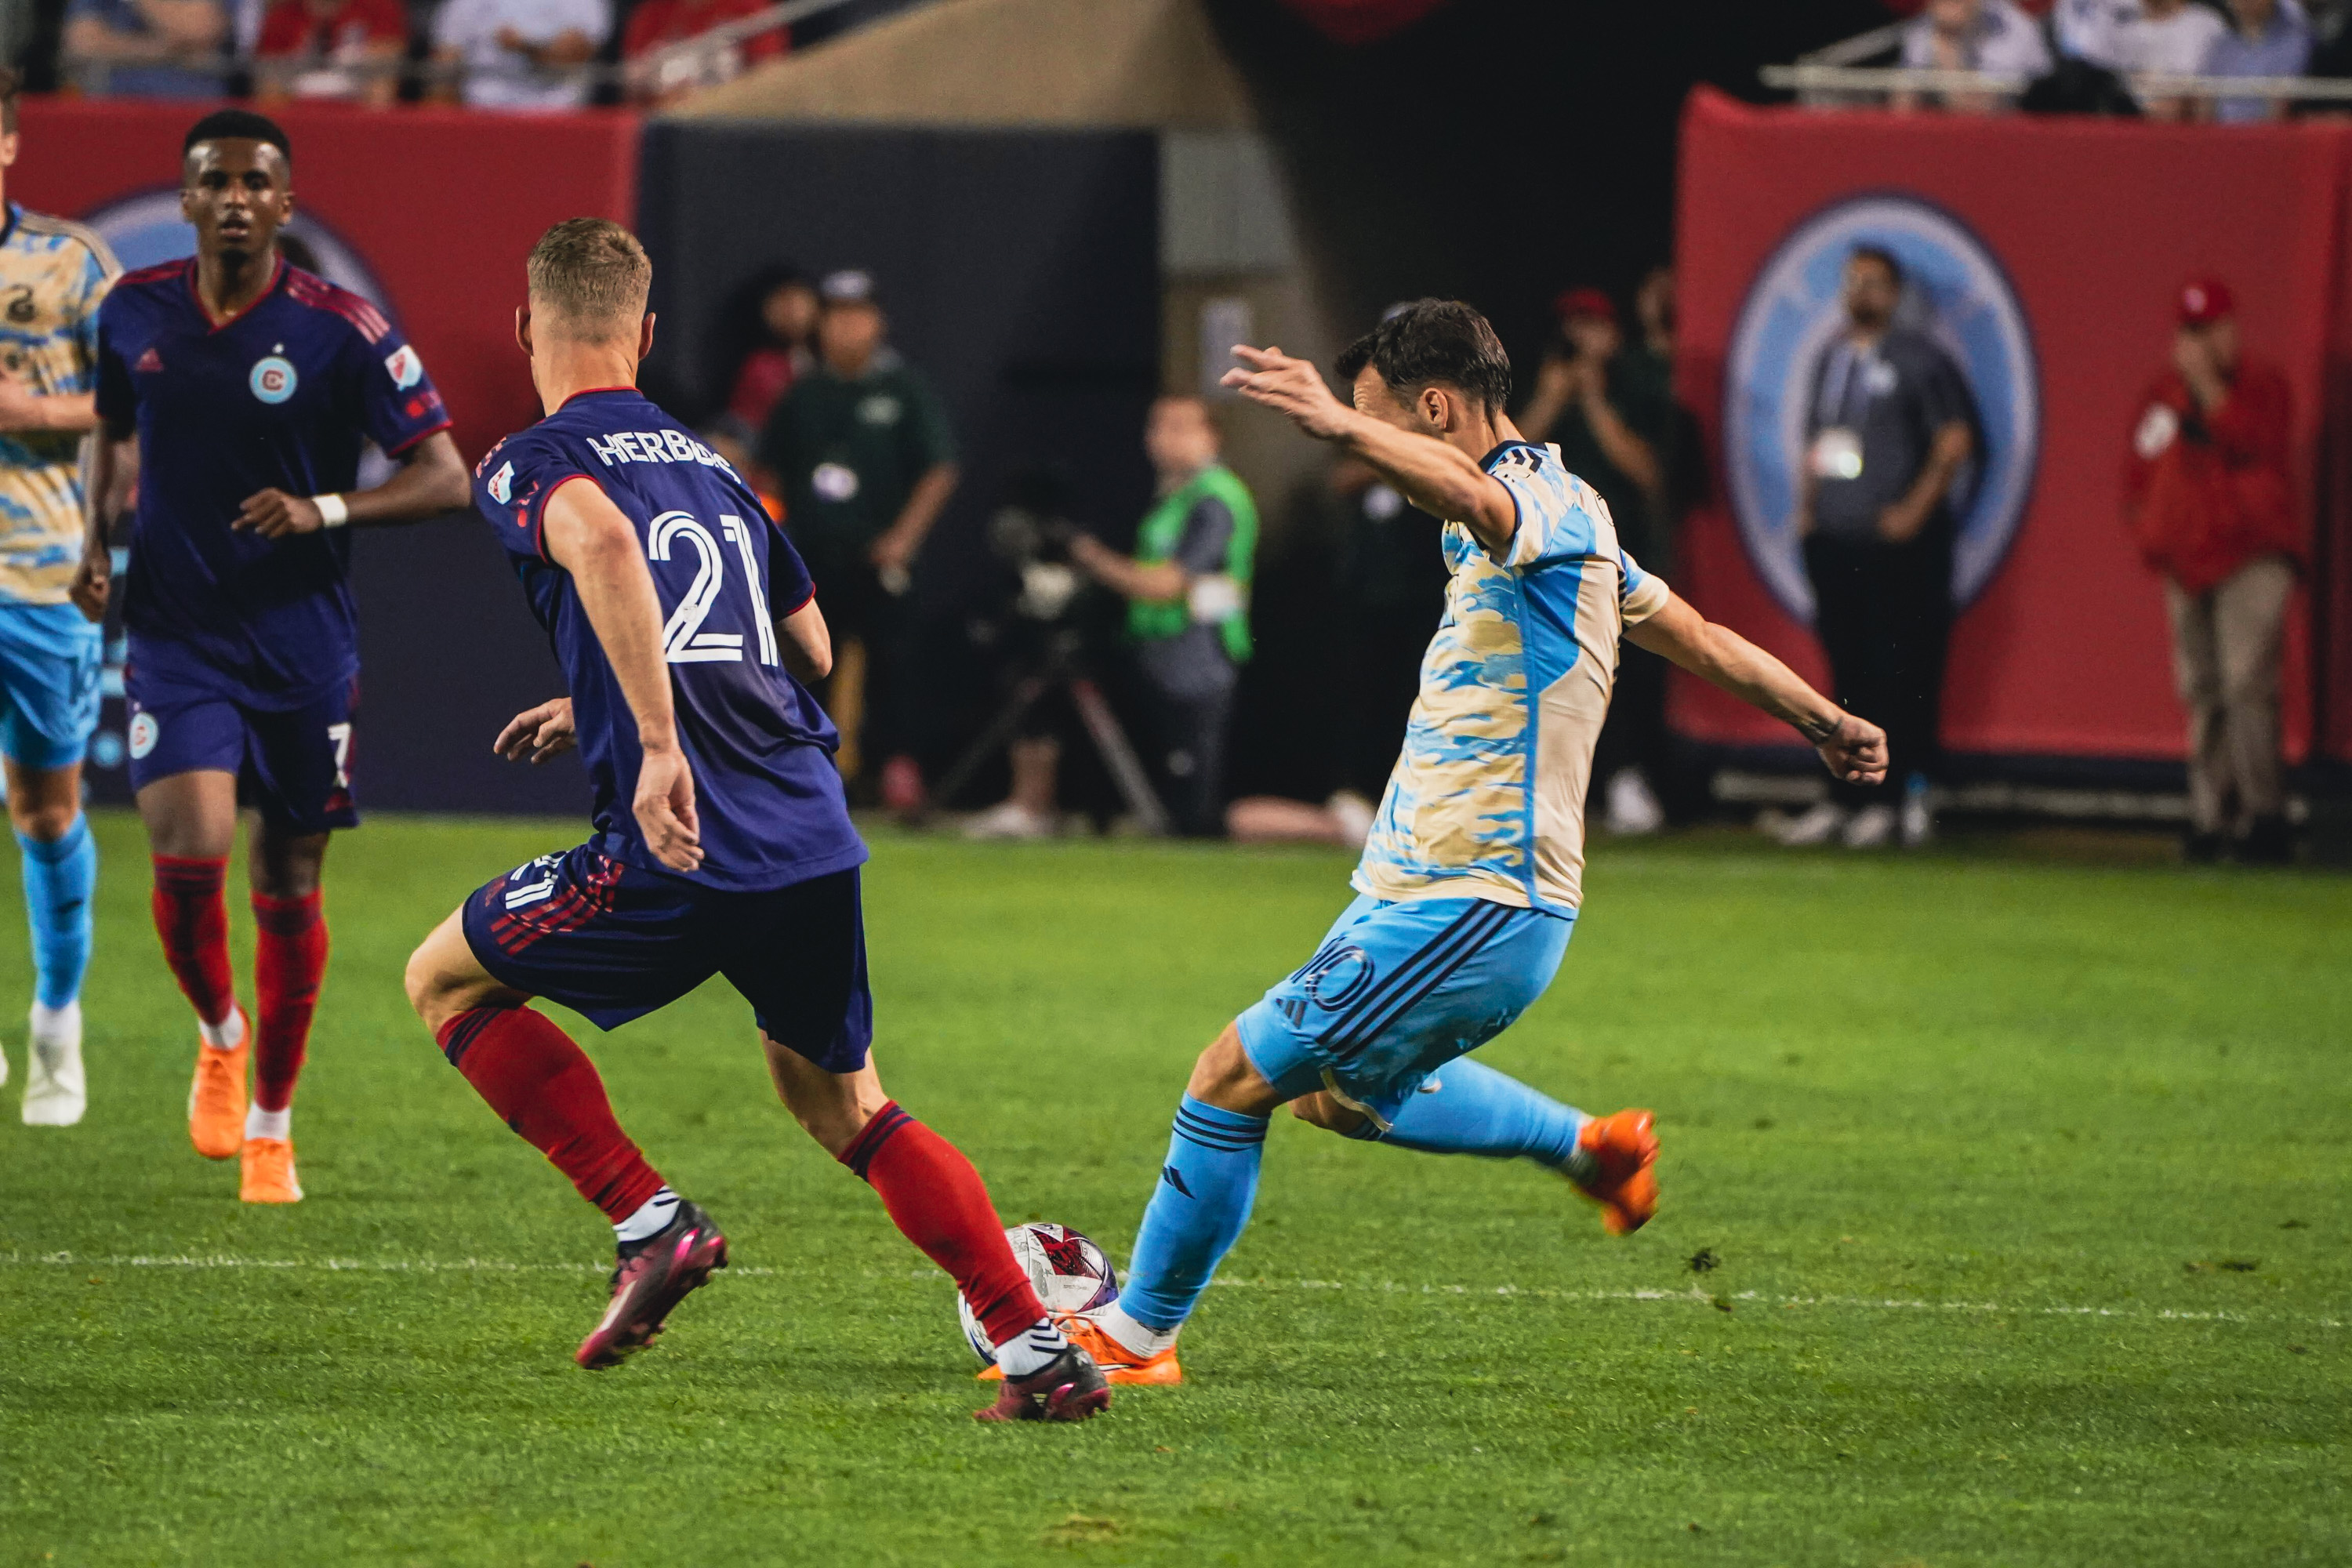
2026	1188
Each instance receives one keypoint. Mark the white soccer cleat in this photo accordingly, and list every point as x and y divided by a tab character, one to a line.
55	1093
1634	809
1919	819
1010	820
1818	826
1872	828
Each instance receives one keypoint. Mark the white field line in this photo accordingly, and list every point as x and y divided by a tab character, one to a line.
1694	1295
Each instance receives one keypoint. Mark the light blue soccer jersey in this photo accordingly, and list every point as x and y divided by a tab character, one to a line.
1487	798
52	276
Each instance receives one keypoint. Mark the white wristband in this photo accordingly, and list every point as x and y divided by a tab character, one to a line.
332	512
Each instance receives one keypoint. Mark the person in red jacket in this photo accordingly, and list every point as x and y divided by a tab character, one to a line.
2210	501
655	24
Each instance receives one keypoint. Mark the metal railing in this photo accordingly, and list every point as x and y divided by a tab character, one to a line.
690	62
1808	76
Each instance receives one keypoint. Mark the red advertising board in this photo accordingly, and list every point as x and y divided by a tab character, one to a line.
2057	248
437	208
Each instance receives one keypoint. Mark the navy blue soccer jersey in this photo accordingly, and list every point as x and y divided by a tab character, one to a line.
765	789
281	396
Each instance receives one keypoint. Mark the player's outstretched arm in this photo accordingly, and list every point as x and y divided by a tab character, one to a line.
431	479
1853	748
1441	480
587	535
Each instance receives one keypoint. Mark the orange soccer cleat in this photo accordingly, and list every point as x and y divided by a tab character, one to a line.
1118	1363
268	1176
1624	1178
217	1100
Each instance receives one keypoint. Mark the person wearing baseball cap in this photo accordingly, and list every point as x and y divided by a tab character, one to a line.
864	456
2210	501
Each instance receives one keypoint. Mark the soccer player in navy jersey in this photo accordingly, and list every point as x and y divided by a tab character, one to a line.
686	624
249	386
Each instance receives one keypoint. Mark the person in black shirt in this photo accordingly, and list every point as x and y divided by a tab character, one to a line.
1889	431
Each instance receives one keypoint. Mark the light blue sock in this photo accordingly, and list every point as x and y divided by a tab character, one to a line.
59	880
1474	1110
1196	1213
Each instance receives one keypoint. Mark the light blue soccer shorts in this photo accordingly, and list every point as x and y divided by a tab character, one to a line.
49	658
1398	990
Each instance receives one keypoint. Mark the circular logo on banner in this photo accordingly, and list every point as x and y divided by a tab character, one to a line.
142	735
1956	293
272	379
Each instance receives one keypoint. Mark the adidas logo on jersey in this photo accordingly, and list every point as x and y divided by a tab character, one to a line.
654	446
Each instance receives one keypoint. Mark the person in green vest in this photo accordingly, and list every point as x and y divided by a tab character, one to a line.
1187	587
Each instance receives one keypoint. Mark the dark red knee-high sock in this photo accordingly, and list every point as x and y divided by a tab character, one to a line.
193	921
289	960
548	1091
939	1201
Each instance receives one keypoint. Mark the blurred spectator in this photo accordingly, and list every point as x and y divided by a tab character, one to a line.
861	452
518	54
307	47
655	24
1990	36
2168	38
1608	409
1888	428
759	347
141	43
2209	500
2092	31
1187	587
2264	37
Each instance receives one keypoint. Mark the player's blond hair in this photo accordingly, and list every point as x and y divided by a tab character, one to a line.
589	278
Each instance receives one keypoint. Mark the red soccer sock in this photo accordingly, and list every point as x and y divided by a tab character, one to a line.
939	1201
193	921
546	1089
289	958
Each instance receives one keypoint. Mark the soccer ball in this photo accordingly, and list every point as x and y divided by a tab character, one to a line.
1070	1272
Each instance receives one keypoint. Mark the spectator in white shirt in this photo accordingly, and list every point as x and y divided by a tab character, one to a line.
2091	30
519	54
1990	36
2171	38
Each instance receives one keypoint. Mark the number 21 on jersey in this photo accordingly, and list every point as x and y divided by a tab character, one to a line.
683	639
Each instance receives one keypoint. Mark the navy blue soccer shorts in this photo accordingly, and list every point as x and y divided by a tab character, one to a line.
614	942
293	767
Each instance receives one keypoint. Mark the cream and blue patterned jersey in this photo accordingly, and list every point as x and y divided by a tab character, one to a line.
52	276
1487	798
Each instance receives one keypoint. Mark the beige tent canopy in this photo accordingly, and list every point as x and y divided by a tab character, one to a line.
1144	64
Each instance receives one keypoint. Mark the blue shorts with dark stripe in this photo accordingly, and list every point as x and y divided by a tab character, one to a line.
1398	990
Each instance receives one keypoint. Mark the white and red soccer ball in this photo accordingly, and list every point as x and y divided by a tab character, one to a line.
1070	1271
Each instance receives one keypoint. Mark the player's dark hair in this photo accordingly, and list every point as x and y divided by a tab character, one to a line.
1441	343
1881	255
236	125
12	82
589	276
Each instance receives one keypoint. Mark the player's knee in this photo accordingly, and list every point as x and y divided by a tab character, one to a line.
42	822
1225	1076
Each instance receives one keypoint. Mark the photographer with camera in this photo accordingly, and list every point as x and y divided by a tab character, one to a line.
1187	587
1611	415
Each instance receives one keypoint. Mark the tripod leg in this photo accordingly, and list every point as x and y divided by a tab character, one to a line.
992	740
1126	769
